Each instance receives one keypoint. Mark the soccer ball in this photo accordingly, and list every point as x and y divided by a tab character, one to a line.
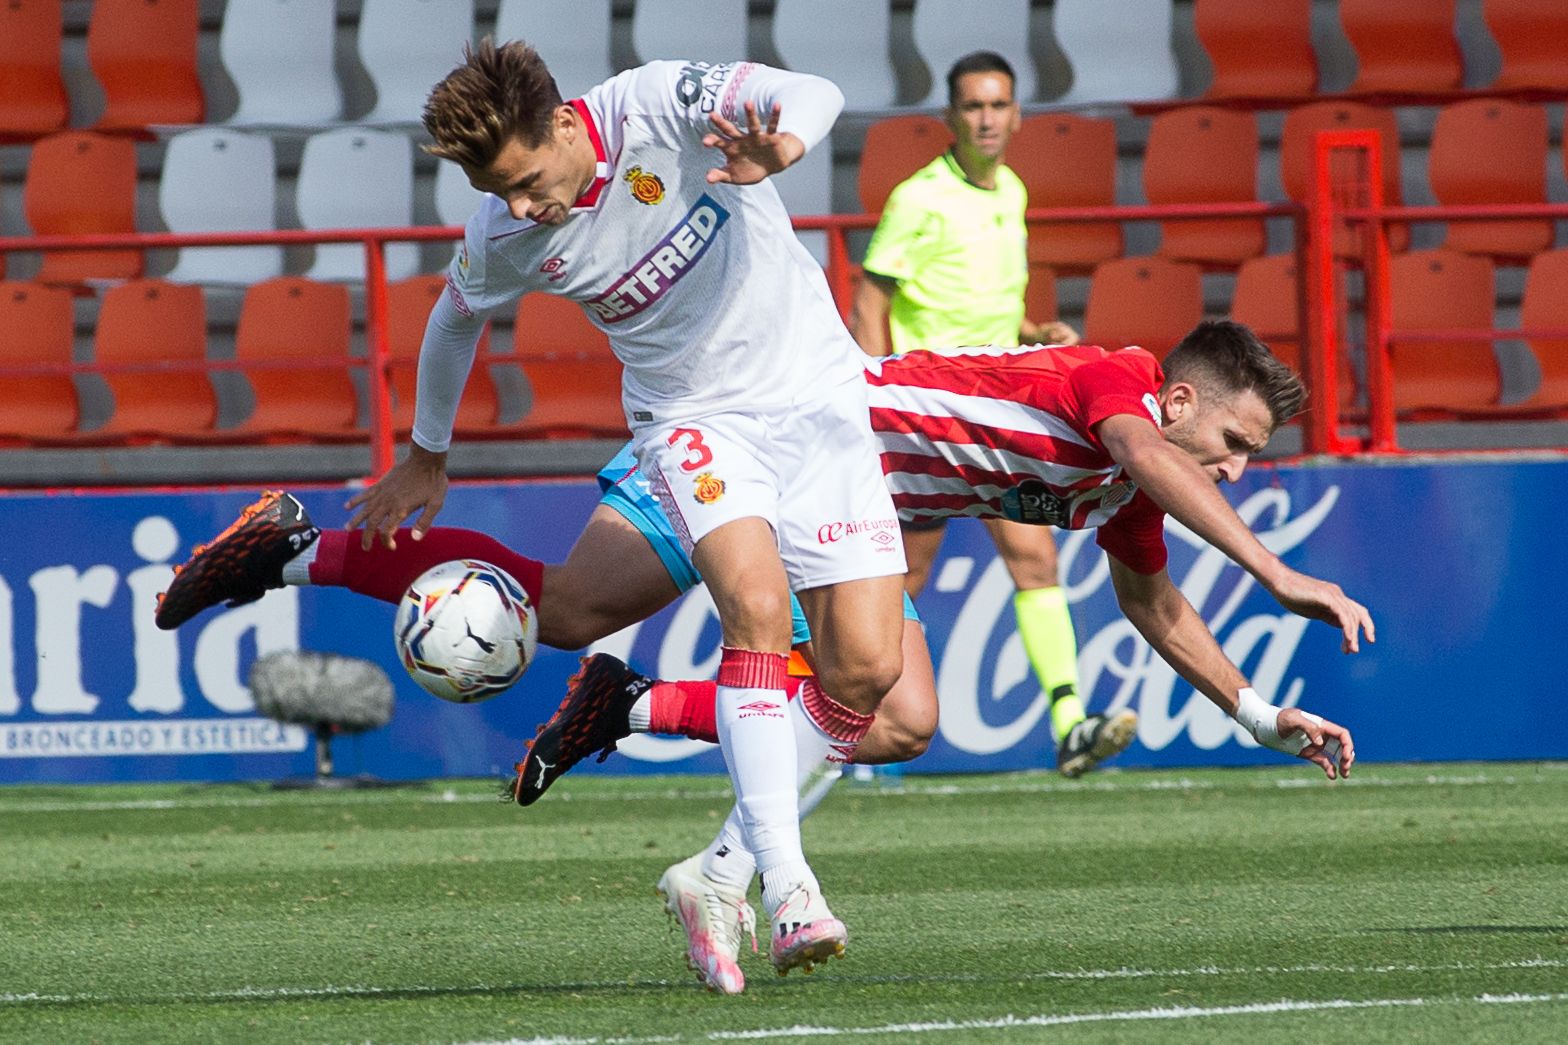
465	630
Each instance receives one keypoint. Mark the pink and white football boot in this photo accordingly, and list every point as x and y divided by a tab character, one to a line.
714	916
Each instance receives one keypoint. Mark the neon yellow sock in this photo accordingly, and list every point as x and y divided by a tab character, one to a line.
1047	631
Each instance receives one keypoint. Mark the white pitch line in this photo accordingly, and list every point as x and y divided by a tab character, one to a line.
1123	973
1108	782
1063	1019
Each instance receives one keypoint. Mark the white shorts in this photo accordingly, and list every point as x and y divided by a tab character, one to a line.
812	471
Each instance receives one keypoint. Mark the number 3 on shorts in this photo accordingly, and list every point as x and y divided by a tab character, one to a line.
697	453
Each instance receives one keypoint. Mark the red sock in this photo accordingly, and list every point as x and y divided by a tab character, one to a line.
385	574
687	708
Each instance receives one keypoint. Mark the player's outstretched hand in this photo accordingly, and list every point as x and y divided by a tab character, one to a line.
754	153
1325	601
1329	745
418	482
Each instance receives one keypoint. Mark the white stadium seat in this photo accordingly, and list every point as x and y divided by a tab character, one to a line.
853	55
456	200
946	30
705	30
407	46
807	190
220	180
1120	50
577	49
355	177
279	55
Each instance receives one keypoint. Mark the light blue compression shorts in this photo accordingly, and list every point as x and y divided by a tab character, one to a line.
623	488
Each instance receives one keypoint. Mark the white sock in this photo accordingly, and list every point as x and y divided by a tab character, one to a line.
640	717
297	570
758	741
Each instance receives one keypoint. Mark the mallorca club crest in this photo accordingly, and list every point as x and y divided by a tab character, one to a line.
647	187
707	488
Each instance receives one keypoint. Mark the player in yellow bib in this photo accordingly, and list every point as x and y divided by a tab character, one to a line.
947	266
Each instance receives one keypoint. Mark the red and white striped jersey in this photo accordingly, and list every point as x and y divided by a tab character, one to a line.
1010	433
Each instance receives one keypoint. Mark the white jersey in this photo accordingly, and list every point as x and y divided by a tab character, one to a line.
706	295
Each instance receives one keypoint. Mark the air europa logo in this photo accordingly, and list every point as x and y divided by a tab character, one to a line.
663	266
831	533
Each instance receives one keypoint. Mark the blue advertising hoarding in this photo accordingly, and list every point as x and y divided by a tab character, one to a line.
1459	561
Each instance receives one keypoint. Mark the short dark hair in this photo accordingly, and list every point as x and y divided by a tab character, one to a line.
977	62
498	93
1221	355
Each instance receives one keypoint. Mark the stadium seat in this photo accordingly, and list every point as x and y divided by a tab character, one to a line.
81	182
577	49
1266	298
1068	161
143	53
194	163
1040	295
294	319
1296	159
279	53
456	199
1513	138
895	148
1533	38
700	30
1202	154
355	177
575	378
1545	307
1402	46
154	321
1442	290
407	46
1258	50
853	55
32	92
946	30
807	190
1148	302
36	327
1119	50
409	302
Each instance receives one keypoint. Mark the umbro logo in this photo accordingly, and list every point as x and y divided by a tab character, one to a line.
724	850
760	705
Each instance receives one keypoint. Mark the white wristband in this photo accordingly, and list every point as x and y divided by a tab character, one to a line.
1260	718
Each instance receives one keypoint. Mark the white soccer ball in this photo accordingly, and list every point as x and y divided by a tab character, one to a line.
466	630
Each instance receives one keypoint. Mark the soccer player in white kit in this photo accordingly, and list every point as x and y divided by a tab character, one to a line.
742	387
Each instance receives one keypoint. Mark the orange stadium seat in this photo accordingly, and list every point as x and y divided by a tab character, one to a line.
1545	307
1533	38
295	319
77	183
148	321
1068	161
32	92
409	302
143	53
1297	149
895	148
1148	302
575	378
1442	290
36	326
1402	46
1258	50
1204	155
1513	138
1266	299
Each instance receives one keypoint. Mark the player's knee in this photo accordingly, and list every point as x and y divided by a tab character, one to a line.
756	619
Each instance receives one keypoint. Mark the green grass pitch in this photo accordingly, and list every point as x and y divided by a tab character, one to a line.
1415	903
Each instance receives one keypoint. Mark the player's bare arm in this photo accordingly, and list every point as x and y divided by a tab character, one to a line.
1170	625
754	153
868	317
1180	486
416	483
